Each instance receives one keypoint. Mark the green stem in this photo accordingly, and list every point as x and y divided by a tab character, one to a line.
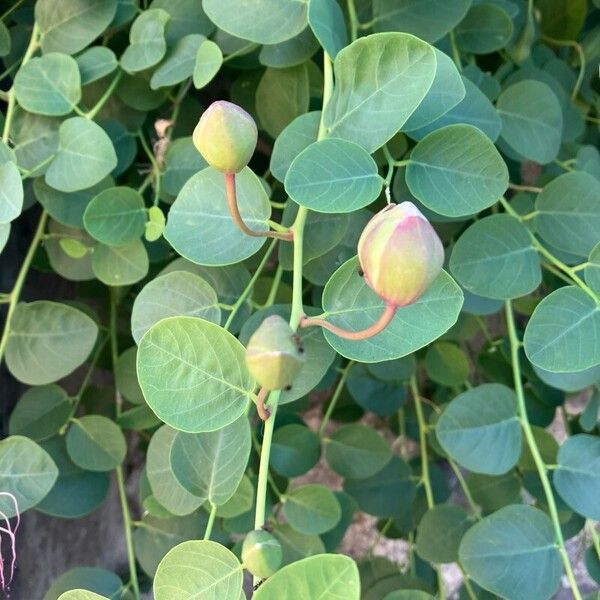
211	522
533	448
155	166
595	537
465	488
274	286
582	61
251	283
425	465
353	20
336	395
128	537
455	51
263	470
91	114
11	9
468	587
15	293
114	344
10	109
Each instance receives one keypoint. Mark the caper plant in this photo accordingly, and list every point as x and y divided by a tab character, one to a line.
333	287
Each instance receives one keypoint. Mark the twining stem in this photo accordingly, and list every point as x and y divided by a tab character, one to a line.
261	409
274	286
582	62
353	19
336	395
15	294
535	453
127	526
211	522
465	488
425	465
384	320
232	204
155	166
248	288
90	114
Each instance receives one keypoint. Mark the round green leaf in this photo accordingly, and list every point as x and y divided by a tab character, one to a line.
71	26
495	258
350	303
446	91
58	249
182	161
26	471
126	377
373	493
486	28
374	395
281	96
439	533
76	492
96	443
312	509
430	20
494	492
40	412
120	265
290	53
380	81
178	293
513	553
11	192
241	502
326	19
187	16
210	465
165	486
147	44
577	478
480	429
200	213
297	136
563	334
179	62
179	578
333	176
323	577
356	451
95	63
207	62
116	216
36	140
81	595
295	450
193	374
295	545
279	19
532	121
456	171
49	85
568	213
92	580
85	156
447	364
47	341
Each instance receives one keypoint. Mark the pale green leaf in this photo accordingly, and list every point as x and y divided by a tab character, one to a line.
147	45
326	20
96	62
486	28
179	62
120	265
208	61
11	192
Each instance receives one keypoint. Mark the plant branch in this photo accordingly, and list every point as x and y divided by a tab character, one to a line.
582	61
91	114
211	522
336	395
384	320
353	20
533	448
155	166
232	204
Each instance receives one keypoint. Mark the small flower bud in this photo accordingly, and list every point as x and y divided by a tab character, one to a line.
226	136
261	553
400	254
274	355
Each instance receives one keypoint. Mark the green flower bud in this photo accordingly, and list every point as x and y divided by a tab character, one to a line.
261	553
274	355
226	136
400	254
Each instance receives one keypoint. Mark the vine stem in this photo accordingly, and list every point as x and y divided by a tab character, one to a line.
127	526
336	395
353	20
231	194
425	465
465	488
15	294
582	61
90	114
10	109
384	320
248	288
155	166
211	522
114	348
535	453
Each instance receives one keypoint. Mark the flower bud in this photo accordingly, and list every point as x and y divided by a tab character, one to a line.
400	254
226	136
261	553
274	355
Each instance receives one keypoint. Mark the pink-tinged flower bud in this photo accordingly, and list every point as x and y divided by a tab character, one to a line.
400	254
226	136
274	355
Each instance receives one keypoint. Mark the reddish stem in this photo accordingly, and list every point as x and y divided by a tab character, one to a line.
263	412
231	194
384	320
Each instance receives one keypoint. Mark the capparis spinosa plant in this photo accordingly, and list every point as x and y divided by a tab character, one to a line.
332	263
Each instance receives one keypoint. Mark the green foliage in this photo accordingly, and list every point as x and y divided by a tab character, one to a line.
433	418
